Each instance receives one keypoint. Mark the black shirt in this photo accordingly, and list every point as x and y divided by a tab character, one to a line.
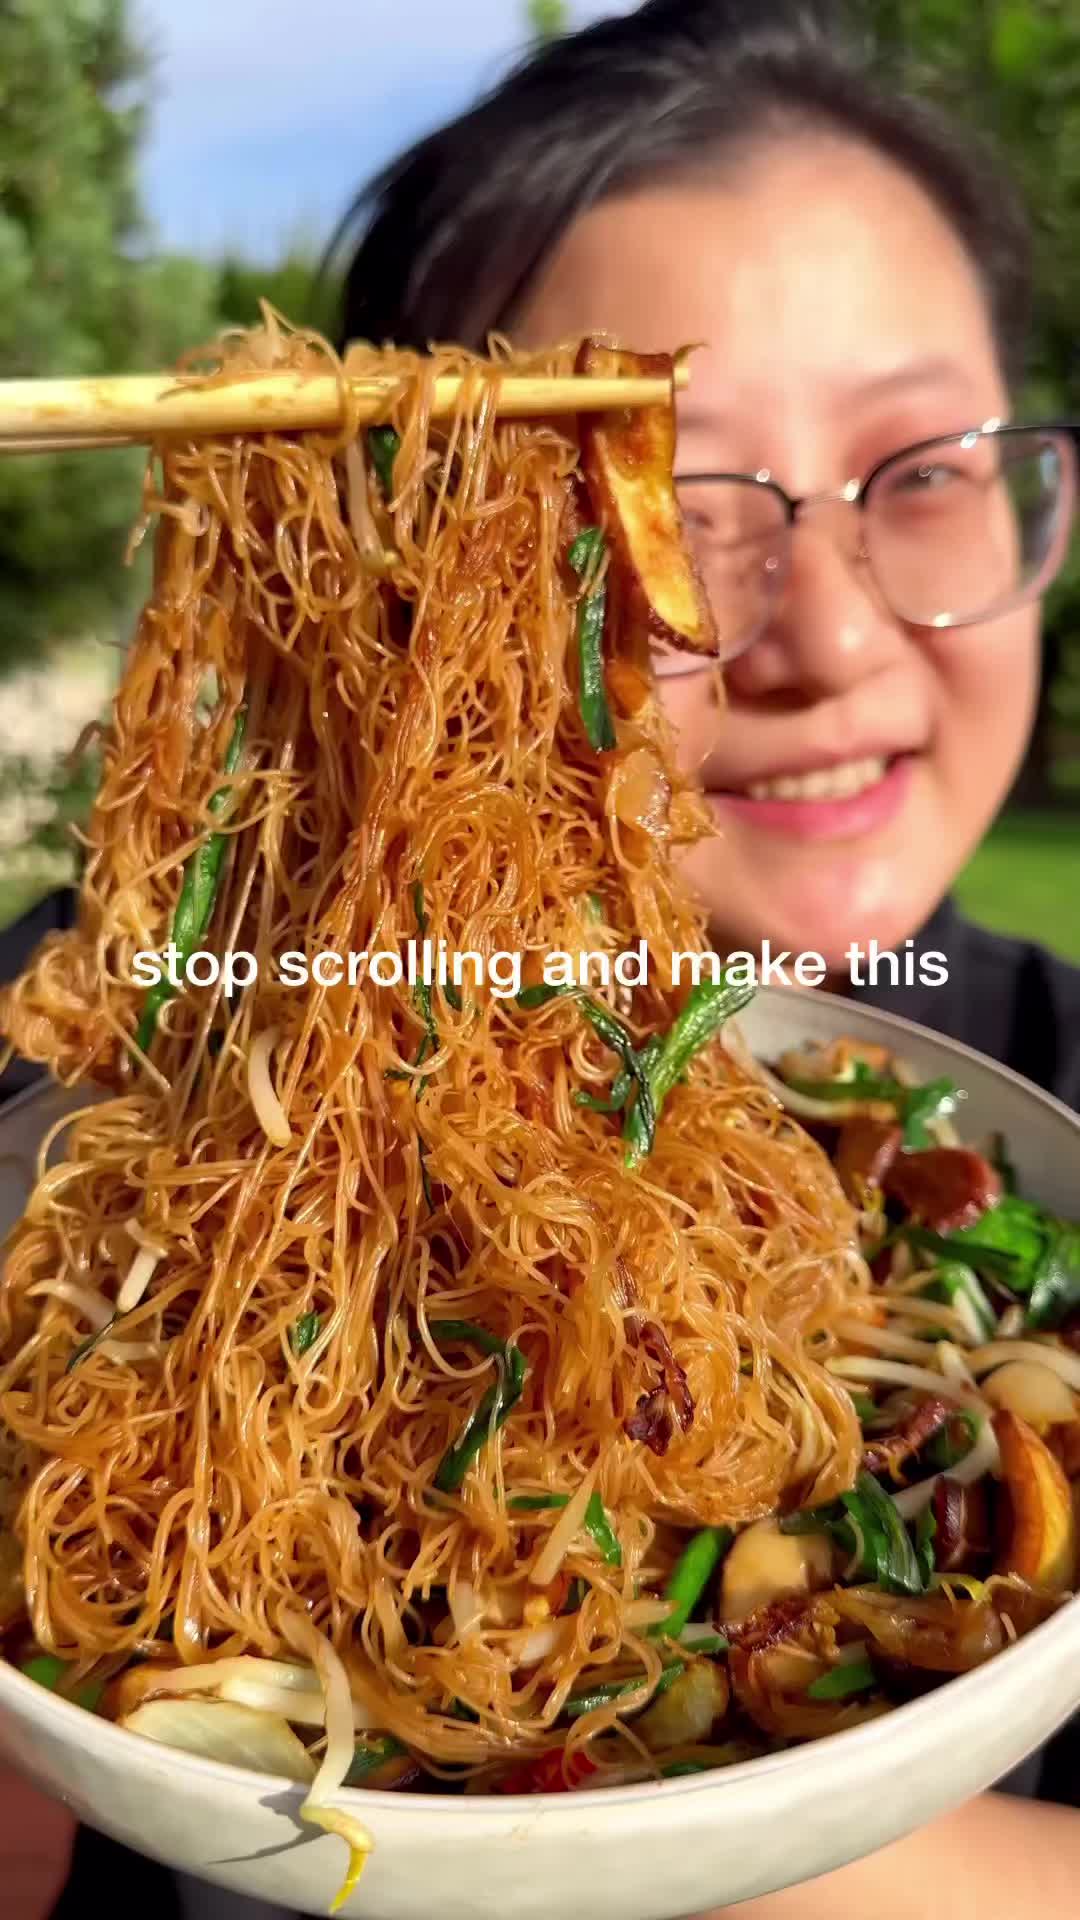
1008	998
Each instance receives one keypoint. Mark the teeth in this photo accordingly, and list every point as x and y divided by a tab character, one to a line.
831	783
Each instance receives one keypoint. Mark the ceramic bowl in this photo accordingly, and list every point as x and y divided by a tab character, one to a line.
631	1853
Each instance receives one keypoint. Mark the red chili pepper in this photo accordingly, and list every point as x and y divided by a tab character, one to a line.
553	1772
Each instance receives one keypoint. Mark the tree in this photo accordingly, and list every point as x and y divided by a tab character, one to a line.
1012	68
548	18
75	298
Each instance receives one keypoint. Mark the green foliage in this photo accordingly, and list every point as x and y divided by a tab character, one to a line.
1011	68
548	18
294	287
75	298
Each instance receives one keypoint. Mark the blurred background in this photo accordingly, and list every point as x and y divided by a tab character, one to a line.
163	167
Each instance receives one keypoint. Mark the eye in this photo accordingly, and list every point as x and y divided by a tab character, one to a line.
927	477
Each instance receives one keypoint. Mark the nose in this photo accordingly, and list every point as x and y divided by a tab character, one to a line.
828	628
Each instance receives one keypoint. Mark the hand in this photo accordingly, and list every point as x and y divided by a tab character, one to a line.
998	1857
36	1839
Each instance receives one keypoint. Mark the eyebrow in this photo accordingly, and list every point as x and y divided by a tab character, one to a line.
933	370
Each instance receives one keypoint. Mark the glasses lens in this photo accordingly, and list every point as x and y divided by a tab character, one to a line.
737	531
959	531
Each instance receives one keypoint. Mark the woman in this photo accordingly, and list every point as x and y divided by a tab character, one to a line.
731	172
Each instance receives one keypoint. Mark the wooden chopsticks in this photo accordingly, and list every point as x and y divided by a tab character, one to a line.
40	416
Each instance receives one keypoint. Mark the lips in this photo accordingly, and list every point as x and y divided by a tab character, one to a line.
841	802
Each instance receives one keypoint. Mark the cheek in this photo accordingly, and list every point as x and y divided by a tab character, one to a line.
985	686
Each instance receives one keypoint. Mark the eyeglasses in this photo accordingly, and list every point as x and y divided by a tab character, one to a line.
952	532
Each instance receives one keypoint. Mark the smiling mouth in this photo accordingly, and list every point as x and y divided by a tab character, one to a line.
841	782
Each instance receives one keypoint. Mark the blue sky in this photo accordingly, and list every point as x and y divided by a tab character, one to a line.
267	114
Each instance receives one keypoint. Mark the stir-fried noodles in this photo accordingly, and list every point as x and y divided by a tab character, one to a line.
426	1342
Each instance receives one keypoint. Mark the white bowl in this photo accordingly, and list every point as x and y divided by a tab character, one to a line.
631	1853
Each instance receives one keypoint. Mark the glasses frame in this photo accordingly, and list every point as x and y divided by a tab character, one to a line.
857	493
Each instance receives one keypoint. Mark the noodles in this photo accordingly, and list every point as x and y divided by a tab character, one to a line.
413	759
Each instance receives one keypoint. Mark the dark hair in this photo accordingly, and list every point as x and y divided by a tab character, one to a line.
458	228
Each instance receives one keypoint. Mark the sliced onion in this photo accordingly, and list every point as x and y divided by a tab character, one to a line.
953	1362
269	1111
466	1608
898	1372
646	1612
563	1534
983	1458
221	1730
206	1676
908	1305
1066	1365
92	1305
1034	1391
539	1643
866	1335
805	1105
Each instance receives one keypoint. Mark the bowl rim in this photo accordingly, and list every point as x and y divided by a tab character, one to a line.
1036	1649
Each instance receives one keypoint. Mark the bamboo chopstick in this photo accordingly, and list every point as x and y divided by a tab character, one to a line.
39	416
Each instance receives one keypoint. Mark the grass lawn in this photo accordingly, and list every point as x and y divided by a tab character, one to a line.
1025	879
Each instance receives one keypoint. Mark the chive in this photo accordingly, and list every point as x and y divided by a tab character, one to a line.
304	1332
488	1416
677	1768
602	1696
47	1671
854	1677
921	1104
429	1042
691	1575
585	556
954	1281
866	1523
603	1532
594	906
539	996
865	1408
370	1756
954	1441
925	1535
92	1340
383	446
595	1521
198	891
444	1331
614	1102
702	1642
425	1177
995	1260
619	1039
453	997
708	1006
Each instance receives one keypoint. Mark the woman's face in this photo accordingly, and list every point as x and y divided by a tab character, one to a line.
857	760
